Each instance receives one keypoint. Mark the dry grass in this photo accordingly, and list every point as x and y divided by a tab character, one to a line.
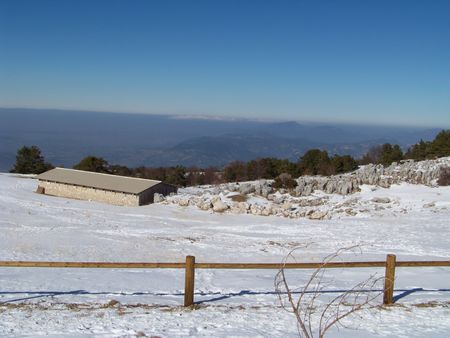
239	198
432	304
46	306
111	303
121	308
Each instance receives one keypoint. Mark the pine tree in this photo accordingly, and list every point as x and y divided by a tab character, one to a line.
29	160
315	162
440	146
390	153
92	163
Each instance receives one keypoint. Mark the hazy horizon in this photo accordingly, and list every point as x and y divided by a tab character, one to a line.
231	118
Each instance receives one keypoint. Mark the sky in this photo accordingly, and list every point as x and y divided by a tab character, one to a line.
376	62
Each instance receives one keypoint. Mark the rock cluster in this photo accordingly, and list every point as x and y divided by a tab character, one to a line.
423	172
337	184
276	204
259	197
261	187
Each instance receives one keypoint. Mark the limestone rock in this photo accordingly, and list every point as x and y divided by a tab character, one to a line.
317	214
381	200
255	209
158	198
266	211
219	206
204	205
240	208
183	202
350	211
246	188
266	190
286	206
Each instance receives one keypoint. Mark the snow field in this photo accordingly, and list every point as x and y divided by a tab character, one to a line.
76	302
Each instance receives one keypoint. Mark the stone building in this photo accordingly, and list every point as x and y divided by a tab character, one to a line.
113	189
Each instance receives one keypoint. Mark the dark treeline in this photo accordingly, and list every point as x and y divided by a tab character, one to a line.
386	154
313	162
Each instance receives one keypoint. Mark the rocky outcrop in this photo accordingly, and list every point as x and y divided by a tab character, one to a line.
259	197
246	188
423	172
338	184
381	200
317	215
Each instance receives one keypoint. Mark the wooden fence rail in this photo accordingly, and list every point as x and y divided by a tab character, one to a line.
190	265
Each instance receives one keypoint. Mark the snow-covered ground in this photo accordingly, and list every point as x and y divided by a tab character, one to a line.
414	225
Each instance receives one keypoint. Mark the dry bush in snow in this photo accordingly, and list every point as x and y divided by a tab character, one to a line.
314	310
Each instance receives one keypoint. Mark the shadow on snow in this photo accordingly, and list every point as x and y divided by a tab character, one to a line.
216	296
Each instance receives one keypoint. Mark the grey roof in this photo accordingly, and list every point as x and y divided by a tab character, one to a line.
90	179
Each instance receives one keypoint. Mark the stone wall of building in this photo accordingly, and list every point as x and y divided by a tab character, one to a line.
84	193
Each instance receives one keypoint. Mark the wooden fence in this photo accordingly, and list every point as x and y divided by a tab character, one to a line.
190	265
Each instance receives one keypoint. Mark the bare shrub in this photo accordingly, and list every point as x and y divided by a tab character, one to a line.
444	177
315	313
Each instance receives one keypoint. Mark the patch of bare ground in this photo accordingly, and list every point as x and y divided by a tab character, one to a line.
121	308
124	309
46	306
409	306
239	198
432	304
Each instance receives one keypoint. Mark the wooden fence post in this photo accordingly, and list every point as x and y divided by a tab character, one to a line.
389	278
189	281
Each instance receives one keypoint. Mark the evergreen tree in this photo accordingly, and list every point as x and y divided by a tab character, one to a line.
390	153
440	146
286	166
315	162
343	164
235	171
120	170
284	181
29	160
418	151
92	163
176	176
195	176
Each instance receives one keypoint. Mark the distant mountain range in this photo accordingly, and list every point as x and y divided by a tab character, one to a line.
65	137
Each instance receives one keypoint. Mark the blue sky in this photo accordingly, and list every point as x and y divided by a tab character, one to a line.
383	62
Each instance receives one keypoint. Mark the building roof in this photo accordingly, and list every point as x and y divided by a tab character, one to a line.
130	185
